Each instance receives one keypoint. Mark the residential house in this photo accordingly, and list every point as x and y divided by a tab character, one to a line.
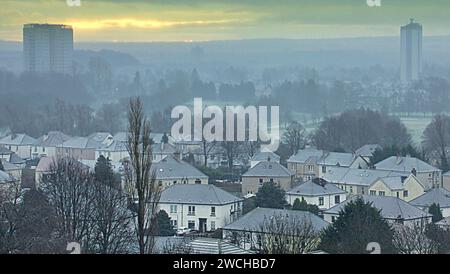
366	151
263	156
200	207
392	209
266	171
9	186
46	166
444	223
83	148
317	192
171	171
428	175
47	144
21	144
161	150
355	180
12	169
446	181
311	163
11	157
5	153
116	151
122	136
216	156
250	230
406	188
437	196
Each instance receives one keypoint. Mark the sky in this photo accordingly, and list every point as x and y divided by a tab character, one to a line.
205	20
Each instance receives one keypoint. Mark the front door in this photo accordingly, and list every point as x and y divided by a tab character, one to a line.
202	224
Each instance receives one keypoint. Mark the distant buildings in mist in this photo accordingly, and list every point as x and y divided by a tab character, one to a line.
48	48
410	52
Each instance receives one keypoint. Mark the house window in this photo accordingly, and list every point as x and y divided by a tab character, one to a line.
160	183
198	181
43	149
213	211
174	223
337	199
173	209
35	149
381	193
310	167
373	192
398	194
271	180
333	218
324	169
261	180
213	225
321	201
191	225
174	182
351	189
191	210
405	193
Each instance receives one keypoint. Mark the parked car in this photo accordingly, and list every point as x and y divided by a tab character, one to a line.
183	231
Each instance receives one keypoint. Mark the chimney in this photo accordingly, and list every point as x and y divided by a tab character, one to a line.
414	172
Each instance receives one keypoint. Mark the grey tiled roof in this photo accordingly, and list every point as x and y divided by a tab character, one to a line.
435	195
367	150
264	155
391	207
199	194
310	188
253	220
315	156
393	182
115	146
163	148
265	169
170	168
9	166
405	164
15	159
18	140
6	178
335	158
52	139
93	141
356	176
304	154
444	222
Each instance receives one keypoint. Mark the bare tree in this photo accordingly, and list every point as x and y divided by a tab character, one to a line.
437	138
9	218
68	187
140	180
207	149
113	220
295	137
412	239
281	234
232	151
177	246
